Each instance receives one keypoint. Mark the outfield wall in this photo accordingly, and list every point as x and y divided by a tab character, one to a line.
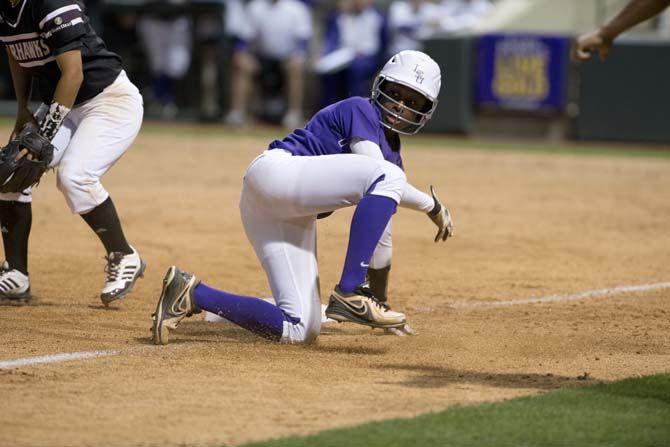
624	98
532	89
627	97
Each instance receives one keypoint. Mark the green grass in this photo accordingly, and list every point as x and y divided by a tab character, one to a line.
633	413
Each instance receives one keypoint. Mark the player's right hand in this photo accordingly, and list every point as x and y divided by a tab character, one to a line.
441	217
588	43
24	116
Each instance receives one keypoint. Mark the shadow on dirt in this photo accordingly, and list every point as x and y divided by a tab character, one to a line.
175	340
349	350
202	332
32	302
103	307
439	376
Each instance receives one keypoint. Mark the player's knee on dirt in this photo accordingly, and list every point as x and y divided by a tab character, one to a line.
306	331
389	181
82	191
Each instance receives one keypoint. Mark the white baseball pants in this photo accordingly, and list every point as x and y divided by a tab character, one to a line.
93	136
281	197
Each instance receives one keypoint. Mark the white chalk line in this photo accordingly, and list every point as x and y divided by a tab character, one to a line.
562	298
71	356
55	358
84	355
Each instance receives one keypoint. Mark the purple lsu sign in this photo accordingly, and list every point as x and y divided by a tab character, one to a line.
522	72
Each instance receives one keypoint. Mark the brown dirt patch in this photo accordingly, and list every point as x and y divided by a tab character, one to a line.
526	225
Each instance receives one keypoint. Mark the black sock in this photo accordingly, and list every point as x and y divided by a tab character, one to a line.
16	219
379	282
105	223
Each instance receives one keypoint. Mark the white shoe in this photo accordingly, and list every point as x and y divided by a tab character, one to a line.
122	273
14	286
169	111
235	118
293	120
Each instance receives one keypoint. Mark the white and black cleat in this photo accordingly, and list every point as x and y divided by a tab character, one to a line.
122	270
14	286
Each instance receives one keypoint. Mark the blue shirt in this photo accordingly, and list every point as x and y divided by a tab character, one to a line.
333	128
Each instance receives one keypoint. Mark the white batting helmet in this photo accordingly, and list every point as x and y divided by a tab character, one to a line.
417	71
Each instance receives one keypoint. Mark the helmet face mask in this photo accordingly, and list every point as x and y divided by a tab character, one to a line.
406	91
403	109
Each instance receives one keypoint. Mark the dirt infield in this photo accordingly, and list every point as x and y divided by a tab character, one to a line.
527	225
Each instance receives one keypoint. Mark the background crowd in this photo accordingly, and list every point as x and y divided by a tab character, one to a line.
279	42
267	60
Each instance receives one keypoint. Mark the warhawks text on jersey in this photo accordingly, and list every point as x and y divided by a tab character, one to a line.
36	31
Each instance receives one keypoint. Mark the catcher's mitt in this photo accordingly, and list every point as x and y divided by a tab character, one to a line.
18	175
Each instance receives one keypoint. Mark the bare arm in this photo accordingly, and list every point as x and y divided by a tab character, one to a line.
71	78
22	85
636	11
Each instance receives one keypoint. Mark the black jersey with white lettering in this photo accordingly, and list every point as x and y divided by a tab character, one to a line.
36	31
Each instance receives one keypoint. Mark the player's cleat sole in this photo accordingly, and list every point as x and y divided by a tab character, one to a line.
175	303
14	286
360	308
19	299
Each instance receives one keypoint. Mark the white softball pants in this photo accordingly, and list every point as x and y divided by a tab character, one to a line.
281	197
93	136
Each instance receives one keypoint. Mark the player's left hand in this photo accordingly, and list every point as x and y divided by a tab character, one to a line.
24	161
441	217
590	42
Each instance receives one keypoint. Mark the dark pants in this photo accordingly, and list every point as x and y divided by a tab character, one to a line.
355	80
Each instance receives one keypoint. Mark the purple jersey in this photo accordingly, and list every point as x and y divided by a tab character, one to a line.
333	128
